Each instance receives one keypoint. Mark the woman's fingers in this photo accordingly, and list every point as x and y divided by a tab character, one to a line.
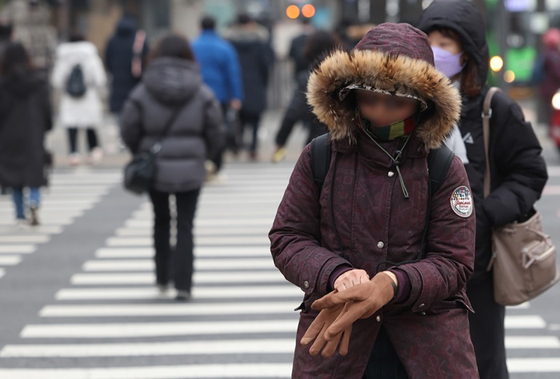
345	342
313	331
319	343
350	279
331	346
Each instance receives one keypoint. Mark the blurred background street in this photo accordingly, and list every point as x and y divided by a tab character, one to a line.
77	295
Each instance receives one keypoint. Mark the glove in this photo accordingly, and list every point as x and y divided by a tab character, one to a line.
360	301
317	329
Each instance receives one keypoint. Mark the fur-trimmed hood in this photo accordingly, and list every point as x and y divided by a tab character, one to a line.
395	58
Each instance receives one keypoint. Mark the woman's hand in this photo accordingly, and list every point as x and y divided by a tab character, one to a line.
350	279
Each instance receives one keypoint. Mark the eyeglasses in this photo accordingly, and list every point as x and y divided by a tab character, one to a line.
373	99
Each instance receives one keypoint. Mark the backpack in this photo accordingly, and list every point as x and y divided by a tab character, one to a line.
439	161
76	84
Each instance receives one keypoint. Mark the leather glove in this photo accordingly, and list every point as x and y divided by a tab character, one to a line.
317	329
360	301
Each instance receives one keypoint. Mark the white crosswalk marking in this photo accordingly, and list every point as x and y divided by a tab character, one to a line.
241	322
70	195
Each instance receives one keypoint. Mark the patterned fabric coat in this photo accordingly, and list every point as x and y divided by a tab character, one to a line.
362	201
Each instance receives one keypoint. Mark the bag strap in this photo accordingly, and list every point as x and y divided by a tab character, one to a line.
439	161
157	146
486	115
320	159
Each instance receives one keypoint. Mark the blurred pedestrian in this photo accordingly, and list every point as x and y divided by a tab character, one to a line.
174	111
31	22
318	46
550	83
25	117
383	261
456	32
80	76
251	42
124	56
220	70
5	36
298	47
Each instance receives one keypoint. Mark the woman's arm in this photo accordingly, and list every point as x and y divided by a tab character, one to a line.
449	261
295	235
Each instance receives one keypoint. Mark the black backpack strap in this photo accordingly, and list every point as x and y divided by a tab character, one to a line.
439	161
320	159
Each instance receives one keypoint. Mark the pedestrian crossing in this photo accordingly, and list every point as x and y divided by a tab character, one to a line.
109	321
70	194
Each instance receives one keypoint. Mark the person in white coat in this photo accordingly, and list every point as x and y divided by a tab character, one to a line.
80	76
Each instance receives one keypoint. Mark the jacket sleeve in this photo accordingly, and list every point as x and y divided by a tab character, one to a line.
234	74
518	165
47	107
295	235
214	128
450	246
131	125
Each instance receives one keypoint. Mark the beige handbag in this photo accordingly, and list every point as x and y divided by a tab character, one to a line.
523	257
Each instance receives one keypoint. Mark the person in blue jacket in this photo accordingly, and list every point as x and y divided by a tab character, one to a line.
219	66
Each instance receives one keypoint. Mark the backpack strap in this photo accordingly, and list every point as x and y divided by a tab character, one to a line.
320	159
439	161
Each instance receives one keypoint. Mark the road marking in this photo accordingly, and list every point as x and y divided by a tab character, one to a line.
198	232
176	309
252	370
525	305
49	222
551	190
213	241
528	342
25	239
9	260
272	276
271	346
199	264
197	292
525	322
209	223
18	249
2	272
207	252
532	365
158	329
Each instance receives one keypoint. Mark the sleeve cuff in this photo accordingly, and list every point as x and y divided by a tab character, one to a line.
336	273
404	286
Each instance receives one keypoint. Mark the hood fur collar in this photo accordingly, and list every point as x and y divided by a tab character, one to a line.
397	74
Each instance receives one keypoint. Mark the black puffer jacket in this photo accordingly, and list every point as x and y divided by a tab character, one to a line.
173	85
518	169
25	117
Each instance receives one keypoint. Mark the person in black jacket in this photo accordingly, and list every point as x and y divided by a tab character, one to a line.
25	117
119	55
456	32
319	44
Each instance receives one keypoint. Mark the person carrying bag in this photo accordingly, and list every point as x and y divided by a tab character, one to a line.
523	257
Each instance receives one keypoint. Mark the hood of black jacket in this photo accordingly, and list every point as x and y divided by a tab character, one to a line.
465	19
21	83
172	80
127	26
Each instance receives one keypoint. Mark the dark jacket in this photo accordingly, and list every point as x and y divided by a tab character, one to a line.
219	66
551	76
297	53
25	116
517	167
299	110
173	85
254	58
118	59
361	218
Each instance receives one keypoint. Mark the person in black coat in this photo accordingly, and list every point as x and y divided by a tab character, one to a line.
25	116
119	54
318	45
250	40
517	167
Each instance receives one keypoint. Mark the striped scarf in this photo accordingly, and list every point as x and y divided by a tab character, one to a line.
390	132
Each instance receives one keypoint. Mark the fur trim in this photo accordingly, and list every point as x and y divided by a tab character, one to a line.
392	73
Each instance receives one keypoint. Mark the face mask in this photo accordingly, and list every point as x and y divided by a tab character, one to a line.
389	132
449	64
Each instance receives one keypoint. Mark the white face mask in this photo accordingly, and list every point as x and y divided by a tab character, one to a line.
449	64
